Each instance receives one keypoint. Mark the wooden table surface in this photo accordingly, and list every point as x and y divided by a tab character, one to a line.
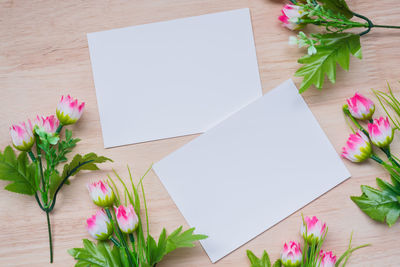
44	54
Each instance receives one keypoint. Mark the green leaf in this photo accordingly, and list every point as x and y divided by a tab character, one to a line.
334	48
337	6
100	255
17	170
79	162
179	239
379	205
278	263
256	262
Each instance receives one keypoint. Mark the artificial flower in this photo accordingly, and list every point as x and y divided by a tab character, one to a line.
312	229
22	136
99	226
380	132
69	110
326	259
291	255
101	194
291	15
358	147
47	124
360	107
127	219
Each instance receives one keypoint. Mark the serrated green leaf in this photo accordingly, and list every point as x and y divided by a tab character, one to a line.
379	205
100	255
334	48
179	239
17	170
337	6
79	162
256	262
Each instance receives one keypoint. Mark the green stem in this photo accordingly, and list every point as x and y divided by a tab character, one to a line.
40	166
386	26
377	159
389	156
50	239
356	123
32	156
115	241
59	128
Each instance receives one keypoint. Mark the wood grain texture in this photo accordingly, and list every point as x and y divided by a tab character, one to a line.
44	54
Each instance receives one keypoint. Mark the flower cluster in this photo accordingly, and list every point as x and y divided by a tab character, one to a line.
379	132
293	254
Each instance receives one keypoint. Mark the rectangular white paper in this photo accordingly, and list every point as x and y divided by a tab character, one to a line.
173	78
252	170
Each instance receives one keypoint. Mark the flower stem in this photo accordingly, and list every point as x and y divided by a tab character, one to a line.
386	26
115	241
50	239
59	128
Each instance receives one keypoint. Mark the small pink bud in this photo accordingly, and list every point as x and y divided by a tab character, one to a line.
312	230
48	124
127	219
291	255
358	147
69	110
360	107
22	136
99	226
380	132
326	259
101	194
291	15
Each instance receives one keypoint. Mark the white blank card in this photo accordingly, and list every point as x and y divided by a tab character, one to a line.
252	170
173	78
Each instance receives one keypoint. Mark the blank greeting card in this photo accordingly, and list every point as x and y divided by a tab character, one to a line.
173	78
252	170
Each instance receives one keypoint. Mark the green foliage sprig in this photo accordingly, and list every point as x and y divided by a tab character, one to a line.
331	45
135	247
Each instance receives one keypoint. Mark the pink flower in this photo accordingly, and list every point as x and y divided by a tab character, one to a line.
291	255
360	107
127	219
101	194
291	15
69	110
22	136
48	124
326	259
380	132
99	226
313	230
358	147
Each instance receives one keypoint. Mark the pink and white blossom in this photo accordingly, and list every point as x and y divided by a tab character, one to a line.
291	254
127	219
312	230
326	259
291	15
358	148
101	194
48	124
22	136
380	132
69	110
360	107
99	226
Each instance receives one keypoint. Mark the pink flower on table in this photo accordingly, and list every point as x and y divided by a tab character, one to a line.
48	124
312	230
127	219
360	107
99	226
291	15
101	193
358	148
326	259
380	132
22	136
291	255
69	110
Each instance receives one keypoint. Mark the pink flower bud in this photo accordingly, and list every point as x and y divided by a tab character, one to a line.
358	147
313	230
291	15
99	226
69	110
291	255
127	219
380	132
326	259
101	194
360	107
22	136
48	124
